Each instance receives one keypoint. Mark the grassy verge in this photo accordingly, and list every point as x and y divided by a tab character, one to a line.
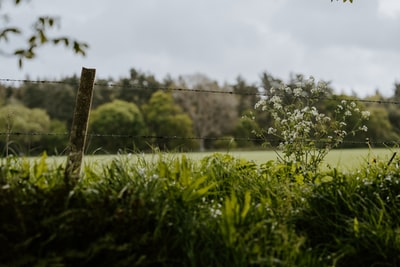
217	211
344	159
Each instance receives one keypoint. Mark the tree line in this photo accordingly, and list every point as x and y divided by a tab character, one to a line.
142	113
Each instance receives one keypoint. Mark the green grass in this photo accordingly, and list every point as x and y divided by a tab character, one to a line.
177	210
341	158
344	159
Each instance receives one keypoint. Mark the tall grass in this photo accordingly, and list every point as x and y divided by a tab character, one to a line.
218	211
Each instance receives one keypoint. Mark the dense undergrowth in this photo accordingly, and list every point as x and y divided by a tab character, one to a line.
221	211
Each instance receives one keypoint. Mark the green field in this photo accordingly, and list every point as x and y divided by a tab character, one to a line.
344	159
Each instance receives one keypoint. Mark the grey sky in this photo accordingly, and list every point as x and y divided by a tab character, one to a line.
356	46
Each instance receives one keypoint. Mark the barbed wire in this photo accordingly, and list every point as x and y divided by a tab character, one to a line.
34	81
174	137
194	90
136	87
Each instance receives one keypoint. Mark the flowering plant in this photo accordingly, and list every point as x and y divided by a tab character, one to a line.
304	134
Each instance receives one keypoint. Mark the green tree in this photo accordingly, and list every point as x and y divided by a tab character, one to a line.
3	95
22	128
396	91
138	88
393	110
246	94
164	118
212	109
379	127
55	142
36	37
57	99
104	93
116	125
245	130
382	126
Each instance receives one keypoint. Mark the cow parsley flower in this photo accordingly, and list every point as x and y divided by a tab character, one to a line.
365	114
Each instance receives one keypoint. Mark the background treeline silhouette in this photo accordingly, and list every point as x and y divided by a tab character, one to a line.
188	113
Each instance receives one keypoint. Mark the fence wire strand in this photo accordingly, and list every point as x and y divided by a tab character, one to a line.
247	139
193	90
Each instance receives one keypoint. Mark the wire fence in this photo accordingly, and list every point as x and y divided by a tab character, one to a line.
193	90
367	141
197	91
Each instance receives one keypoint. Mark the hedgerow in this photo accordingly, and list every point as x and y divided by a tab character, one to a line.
220	211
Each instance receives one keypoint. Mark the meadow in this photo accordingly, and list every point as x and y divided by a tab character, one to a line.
344	159
340	158
195	209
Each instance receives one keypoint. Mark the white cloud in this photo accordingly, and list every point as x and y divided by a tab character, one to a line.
389	8
356	46
351	68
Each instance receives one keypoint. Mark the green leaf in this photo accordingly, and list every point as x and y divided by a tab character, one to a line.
42	35
356	227
42	20
19	52
246	205
194	191
32	40
4	33
51	22
30	53
40	167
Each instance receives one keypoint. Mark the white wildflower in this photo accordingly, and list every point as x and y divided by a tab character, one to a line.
271	130
272	90
275	99
259	103
310	80
297	92
347	113
321	85
277	106
314	112
365	115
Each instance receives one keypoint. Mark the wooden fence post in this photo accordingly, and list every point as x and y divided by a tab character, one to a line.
79	126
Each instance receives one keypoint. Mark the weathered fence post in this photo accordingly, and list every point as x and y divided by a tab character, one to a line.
79	126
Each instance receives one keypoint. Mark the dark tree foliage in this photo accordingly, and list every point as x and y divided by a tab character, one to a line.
57	99
247	95
138	88
36	37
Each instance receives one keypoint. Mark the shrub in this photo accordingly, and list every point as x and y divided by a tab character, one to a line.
304	134
172	211
226	142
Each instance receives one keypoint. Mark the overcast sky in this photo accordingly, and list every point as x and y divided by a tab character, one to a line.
355	46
